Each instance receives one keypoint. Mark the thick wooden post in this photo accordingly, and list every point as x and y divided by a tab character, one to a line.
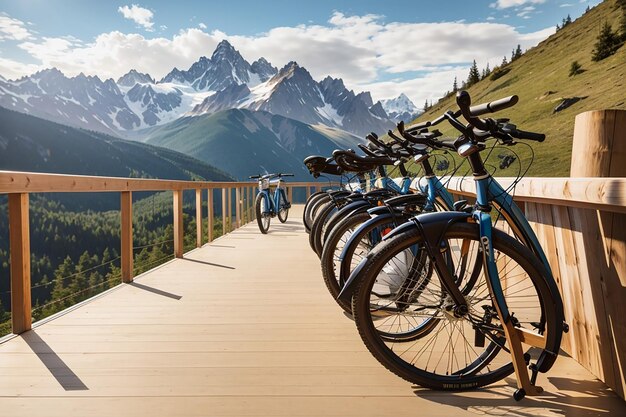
238	207
308	192
198	218
19	236
126	233
595	290
599	147
224	208
178	224
318	187
210	213
290	194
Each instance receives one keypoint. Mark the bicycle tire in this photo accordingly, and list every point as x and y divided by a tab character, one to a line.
325	211
468	377
262	220
307	214
283	214
329	256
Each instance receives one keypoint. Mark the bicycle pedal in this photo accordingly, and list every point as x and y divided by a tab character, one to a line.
565	327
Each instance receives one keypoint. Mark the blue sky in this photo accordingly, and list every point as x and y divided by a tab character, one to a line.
385	46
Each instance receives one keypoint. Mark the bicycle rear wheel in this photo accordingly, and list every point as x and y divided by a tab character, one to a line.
451	352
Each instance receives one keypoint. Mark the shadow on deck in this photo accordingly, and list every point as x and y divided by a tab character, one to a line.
241	326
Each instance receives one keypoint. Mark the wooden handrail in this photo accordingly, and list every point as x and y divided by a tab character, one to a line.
607	194
18	186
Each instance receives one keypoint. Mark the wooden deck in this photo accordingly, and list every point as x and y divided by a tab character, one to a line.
243	326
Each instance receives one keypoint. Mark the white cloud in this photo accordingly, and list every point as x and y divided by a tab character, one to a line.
505	4
139	15
491	18
201	25
566	5
11	69
13	29
415	58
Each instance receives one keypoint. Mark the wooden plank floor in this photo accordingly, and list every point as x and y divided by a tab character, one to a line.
241	327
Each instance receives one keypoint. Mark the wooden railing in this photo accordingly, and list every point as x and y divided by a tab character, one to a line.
581	224
18	186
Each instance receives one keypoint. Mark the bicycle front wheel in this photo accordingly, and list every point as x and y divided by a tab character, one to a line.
450	352
263	215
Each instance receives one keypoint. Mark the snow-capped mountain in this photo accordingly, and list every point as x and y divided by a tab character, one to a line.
400	108
133	77
223	81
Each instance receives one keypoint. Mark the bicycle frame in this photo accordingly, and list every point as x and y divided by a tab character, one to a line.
272	199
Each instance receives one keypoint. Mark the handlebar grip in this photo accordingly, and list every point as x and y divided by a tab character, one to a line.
254	177
494	106
520	134
374	139
286	175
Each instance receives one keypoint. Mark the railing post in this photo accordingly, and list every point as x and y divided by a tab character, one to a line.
290	194
229	209
238	207
126	234
223	211
198	218
210	213
308	192
19	236
178	224
318	187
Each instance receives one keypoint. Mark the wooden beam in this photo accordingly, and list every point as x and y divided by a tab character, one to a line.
229	210
178	224
224	208
290	194
308	192
19	237
238	207
210	214
126	233
198	218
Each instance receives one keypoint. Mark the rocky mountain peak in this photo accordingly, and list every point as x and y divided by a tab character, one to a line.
263	69
224	48
133	77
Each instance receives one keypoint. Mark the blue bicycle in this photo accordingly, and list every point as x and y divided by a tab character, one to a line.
449	302
270	203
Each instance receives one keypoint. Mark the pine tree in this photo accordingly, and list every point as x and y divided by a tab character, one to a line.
575	68
558	27
474	75
587	9
426	106
607	43
504	62
518	51
487	71
568	20
455	86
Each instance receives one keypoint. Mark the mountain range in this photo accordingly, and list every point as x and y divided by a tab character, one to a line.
224	81
32	144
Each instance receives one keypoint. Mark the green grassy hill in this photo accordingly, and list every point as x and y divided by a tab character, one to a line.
540	77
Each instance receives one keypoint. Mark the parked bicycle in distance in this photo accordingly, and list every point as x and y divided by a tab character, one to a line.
271	203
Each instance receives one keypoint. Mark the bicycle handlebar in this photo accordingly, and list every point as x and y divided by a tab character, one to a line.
256	177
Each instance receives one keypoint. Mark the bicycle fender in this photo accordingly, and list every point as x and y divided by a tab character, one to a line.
350	209
433	225
354	279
